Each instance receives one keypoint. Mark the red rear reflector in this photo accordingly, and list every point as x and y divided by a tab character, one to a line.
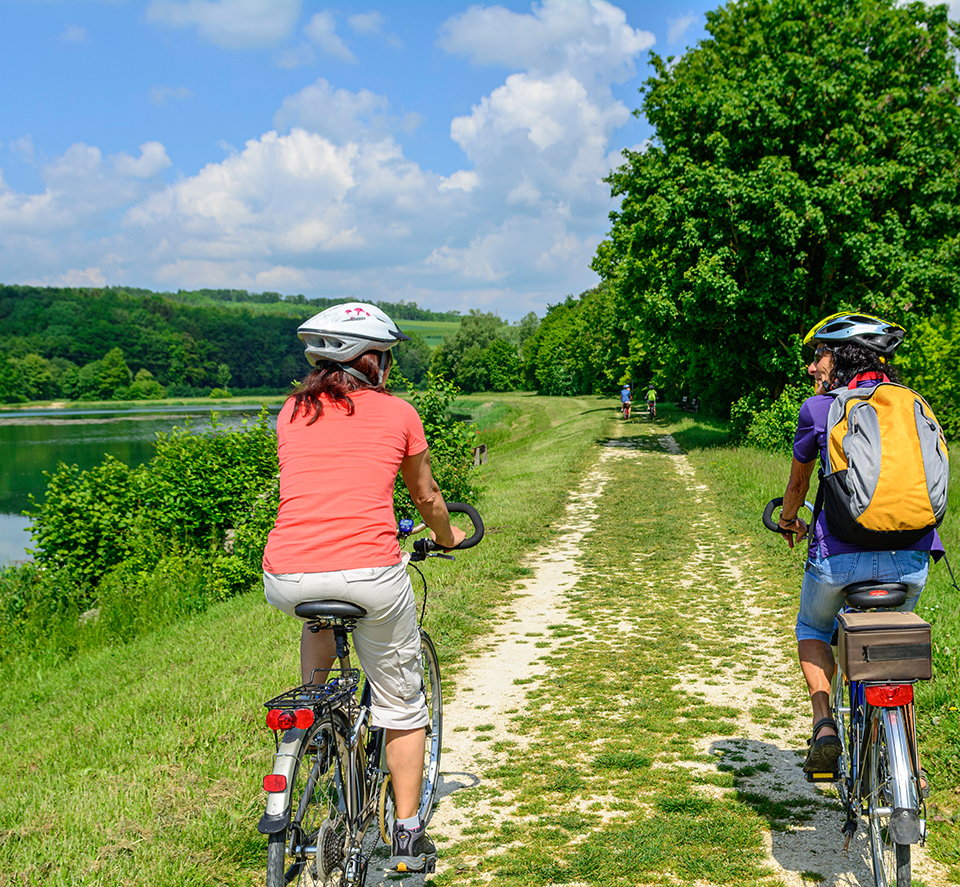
282	720
878	593
890	695
304	717
275	783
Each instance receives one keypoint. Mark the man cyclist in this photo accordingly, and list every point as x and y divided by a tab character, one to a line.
625	400
341	440
652	401
848	347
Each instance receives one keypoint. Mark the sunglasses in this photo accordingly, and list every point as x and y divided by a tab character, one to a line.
821	350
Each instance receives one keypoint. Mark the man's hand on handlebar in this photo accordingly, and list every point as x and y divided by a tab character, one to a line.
793	531
458	537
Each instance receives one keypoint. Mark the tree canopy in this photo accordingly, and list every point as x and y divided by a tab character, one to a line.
806	161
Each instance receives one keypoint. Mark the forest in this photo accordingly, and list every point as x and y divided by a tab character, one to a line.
133	344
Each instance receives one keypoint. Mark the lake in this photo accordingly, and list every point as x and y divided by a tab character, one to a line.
35	441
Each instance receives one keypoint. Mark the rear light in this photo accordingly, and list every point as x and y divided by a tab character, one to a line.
890	695
285	720
878	593
275	783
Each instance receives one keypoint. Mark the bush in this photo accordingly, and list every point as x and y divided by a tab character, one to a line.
451	447
768	425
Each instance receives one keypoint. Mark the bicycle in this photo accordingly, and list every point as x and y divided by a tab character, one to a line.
329	778
652	409
880	654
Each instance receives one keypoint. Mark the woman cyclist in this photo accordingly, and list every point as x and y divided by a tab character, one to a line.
341	440
848	347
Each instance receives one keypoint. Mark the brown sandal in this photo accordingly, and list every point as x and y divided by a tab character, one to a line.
823	752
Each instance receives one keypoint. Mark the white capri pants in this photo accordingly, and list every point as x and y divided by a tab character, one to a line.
387	639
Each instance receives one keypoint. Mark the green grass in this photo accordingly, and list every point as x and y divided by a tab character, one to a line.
141	763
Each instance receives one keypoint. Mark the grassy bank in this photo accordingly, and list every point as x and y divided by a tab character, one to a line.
141	764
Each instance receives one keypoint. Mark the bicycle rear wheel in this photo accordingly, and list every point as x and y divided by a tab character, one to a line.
310	851
891	860
841	714
431	754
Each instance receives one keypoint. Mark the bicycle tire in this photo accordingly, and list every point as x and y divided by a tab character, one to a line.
840	712
433	693
891	861
309	852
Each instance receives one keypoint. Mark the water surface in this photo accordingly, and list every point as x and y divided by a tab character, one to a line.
36	441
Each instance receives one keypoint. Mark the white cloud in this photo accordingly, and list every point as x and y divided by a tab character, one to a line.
160	95
74	34
367	23
588	40
679	27
81	277
24	147
337	114
81	188
322	30
232	24
371	24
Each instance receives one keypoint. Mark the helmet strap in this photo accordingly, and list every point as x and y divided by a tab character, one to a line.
364	378
357	374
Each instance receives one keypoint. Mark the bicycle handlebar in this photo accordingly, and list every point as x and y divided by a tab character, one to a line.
768	520
424	546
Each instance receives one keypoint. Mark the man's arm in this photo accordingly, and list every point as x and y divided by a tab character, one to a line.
793	497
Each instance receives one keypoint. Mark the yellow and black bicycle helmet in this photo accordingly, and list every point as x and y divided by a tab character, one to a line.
871	332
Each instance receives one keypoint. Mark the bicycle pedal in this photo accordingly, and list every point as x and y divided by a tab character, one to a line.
822	777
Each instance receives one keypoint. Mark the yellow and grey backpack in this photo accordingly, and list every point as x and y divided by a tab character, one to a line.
884	484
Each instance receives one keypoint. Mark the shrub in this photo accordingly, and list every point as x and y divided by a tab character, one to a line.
769	425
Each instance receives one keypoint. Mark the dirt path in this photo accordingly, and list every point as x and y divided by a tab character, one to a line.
764	686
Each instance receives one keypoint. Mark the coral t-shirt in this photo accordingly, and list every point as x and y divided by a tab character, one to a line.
336	484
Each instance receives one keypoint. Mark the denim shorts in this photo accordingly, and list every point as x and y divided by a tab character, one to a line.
387	639
821	595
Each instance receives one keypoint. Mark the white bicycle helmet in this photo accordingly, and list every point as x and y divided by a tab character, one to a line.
344	332
862	329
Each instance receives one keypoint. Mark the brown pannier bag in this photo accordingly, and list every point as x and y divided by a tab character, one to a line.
884	646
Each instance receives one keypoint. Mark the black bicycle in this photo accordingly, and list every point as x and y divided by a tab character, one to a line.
329	779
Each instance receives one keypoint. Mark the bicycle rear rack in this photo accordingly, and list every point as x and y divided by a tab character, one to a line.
340	690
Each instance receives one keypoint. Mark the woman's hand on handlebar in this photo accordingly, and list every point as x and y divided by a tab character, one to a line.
458	536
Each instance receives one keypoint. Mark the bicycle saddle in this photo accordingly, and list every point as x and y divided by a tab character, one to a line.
329	610
870	595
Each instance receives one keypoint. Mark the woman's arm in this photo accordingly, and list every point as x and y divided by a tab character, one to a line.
426	496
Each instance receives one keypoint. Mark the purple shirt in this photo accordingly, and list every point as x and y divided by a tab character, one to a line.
810	439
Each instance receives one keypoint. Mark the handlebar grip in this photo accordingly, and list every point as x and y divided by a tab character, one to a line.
768	520
424	545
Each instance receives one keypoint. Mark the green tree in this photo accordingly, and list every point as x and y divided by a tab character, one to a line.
806	161
145	387
476	332
114	374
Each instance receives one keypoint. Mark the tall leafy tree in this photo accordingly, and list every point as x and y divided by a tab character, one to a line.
806	161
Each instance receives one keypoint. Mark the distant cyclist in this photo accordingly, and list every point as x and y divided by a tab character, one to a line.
342	438
849	347
626	398
652	401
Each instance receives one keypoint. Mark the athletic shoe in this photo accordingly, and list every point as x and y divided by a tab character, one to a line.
413	851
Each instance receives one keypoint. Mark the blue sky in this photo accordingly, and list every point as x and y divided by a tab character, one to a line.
444	153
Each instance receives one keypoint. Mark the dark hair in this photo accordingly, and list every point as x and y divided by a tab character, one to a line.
330	380
850	360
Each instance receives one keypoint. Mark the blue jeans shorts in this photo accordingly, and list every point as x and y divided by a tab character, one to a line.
821	594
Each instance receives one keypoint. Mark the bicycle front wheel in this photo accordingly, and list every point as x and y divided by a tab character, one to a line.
431	753
891	860
310	852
